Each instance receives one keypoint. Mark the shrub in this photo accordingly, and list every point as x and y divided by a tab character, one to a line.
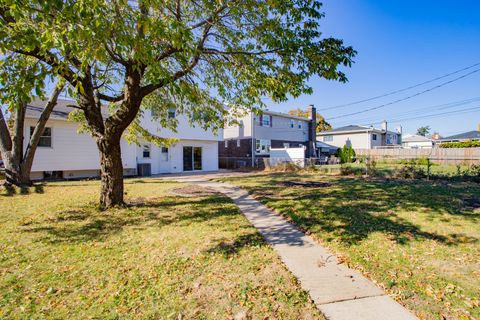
371	167
462	144
347	170
409	172
346	154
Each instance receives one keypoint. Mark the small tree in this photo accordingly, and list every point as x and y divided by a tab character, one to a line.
322	124
15	93
346	154
193	55
423	131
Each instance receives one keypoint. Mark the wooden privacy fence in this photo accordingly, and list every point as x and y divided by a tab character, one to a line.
445	156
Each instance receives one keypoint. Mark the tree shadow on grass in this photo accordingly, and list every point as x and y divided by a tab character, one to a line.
352	209
86	223
10	191
230	248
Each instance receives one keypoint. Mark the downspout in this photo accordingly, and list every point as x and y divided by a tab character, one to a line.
253	135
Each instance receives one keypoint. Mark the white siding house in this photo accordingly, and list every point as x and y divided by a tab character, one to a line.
65	153
417	142
361	137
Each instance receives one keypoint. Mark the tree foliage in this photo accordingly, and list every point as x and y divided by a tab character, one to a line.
423	131
346	154
322	124
153	54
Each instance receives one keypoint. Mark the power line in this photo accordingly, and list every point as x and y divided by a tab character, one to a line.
462	111
398	91
405	98
422	110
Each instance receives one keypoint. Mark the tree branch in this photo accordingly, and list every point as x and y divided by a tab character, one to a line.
63	71
5	137
41	123
146	90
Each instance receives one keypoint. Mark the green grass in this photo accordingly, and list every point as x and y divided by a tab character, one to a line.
166	257
418	240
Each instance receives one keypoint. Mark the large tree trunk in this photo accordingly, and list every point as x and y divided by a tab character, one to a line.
15	173
111	193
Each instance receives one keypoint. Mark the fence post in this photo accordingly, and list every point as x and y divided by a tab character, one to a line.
366	166
428	168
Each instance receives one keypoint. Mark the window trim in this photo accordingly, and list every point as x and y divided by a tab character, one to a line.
269	121
148	146
260	143
32	128
171	111
164	154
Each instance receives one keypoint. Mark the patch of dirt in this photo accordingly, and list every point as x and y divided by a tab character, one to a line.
306	184
194	191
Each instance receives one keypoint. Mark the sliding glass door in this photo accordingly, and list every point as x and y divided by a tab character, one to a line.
192	158
197	158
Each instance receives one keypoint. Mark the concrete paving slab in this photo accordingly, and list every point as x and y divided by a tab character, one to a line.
374	308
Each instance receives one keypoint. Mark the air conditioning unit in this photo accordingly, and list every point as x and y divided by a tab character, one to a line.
144	169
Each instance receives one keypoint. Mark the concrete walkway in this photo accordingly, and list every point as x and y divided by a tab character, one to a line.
339	292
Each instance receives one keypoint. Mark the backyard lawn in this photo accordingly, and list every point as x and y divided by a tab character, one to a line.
176	253
417	239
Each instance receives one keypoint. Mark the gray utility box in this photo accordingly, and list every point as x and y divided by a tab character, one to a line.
144	169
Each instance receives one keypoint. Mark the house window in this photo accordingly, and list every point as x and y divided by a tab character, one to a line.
327	138
164	154
238	143
263	146
146	151
45	138
299	125
374	137
292	123
171	113
266	120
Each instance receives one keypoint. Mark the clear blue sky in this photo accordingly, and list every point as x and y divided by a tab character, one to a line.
402	43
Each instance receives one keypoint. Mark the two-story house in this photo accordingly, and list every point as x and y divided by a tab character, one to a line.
245	144
65	153
362	137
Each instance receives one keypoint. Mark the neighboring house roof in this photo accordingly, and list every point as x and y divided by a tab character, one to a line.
464	136
320	144
416	138
60	111
352	129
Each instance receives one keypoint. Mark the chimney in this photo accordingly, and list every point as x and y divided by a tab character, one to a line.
312	130
384	125
399	132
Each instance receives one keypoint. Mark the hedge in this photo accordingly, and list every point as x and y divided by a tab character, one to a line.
463	144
